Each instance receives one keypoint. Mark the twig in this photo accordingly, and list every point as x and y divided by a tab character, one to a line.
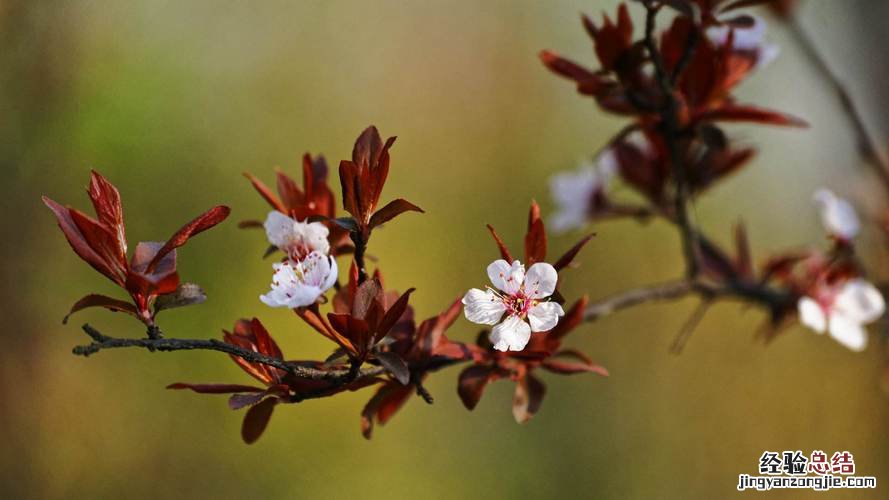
360	247
689	327
670	122
667	291
867	144
101	342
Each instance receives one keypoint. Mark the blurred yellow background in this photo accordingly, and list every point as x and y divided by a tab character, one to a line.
173	100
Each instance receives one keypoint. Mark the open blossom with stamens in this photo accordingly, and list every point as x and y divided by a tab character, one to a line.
579	193
296	239
300	283
837	215
843	311
520	303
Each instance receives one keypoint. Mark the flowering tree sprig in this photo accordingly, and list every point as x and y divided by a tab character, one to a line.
676	88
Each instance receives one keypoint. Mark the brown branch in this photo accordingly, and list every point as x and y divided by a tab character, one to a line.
867	144
671	130
666	291
101	342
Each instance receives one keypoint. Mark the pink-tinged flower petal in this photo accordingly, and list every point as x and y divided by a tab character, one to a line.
811	314
859	301
848	332
511	335
296	238
540	282
505	277
483	307
837	215
545	316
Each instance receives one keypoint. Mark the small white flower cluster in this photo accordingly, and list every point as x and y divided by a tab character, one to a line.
844	309
308	271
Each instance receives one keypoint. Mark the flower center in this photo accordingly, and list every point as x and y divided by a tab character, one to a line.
517	304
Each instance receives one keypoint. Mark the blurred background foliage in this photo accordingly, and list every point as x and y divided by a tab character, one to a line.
173	100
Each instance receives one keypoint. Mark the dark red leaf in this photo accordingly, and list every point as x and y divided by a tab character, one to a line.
528	397
198	225
504	252
101	239
238	401
291	194
79	244
95	300
266	193
366	295
392	209
472	383
395	365
576	362
383	405
350	187
394	313
186	294
566	259
535	238
106	201
215	388
587	82
743	259
739	113
250	224
256	420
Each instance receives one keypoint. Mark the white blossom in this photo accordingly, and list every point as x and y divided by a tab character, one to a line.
519	301
751	38
300	283
837	215
296	239
844	312
574	192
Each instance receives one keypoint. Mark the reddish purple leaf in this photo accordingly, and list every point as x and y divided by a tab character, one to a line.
257	419
266	193
504	252
96	300
568	258
215	388
392	209
106	201
198	225
472	383
528	397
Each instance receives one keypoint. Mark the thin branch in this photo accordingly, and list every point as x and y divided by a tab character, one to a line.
867	144
102	342
689	327
670	122
666	291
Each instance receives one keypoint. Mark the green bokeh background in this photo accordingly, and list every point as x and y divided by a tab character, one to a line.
173	100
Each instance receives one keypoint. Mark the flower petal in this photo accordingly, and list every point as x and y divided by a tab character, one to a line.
859	301
483	307
289	290
848	332
545	316
506	277
811	314
837	215
279	229
511	335
540	281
